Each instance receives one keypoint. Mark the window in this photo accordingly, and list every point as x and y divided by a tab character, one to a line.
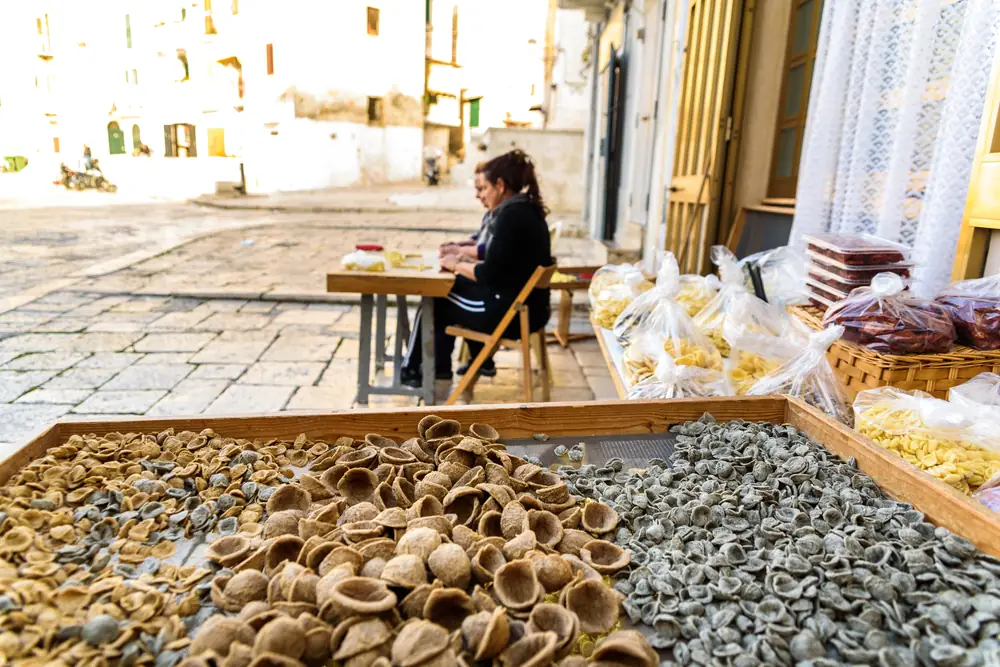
375	111
136	137
270	59
473	113
234	7
55	144
800	56
373	17
128	31
132	77
42	26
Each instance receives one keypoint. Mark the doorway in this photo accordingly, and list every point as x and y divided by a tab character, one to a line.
116	139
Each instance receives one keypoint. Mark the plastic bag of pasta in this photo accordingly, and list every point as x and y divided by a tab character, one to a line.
809	376
754	355
670	380
734	300
612	289
697	291
980	393
658	310
944	439
364	260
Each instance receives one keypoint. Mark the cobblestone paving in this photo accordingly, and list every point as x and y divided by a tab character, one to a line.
291	260
82	355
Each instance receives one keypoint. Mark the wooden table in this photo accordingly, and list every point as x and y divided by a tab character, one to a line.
375	289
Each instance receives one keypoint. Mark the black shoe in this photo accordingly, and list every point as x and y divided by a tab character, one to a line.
487	370
409	377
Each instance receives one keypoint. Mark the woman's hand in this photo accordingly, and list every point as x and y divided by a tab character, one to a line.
449	248
449	262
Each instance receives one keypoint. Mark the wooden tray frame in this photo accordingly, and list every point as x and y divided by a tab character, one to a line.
940	503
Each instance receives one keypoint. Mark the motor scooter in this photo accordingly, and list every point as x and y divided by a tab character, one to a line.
432	165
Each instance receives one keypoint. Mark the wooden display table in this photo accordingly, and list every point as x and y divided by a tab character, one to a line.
940	503
375	289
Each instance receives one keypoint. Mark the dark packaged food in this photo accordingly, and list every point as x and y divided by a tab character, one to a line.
827	279
862	275
887	319
856	249
974	307
828	293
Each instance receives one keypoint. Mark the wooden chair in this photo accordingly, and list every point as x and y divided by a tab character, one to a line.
540	278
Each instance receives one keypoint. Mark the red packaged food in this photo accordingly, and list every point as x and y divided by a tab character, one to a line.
887	319
821	277
828	293
369	247
859	274
856	249
974	307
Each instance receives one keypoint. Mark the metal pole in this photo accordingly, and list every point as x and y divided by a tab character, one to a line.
381	305
401	335
427	342
364	347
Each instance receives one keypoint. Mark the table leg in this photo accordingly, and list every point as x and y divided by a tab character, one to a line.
364	348
427	342
402	333
565	315
381	305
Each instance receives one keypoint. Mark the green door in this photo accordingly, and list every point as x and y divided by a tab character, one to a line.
116	139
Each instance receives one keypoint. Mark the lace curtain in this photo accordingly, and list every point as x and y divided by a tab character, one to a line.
894	111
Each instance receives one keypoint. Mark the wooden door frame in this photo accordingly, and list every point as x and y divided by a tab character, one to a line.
976	231
727	205
708	189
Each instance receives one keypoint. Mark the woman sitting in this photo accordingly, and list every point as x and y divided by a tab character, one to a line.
485	289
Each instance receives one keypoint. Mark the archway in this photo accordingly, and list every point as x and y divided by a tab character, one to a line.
116	139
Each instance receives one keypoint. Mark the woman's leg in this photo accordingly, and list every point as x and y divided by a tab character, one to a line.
463	307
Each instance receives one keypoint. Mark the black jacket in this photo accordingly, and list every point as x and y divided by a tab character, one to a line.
519	244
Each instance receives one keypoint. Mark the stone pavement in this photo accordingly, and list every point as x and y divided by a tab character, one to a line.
88	355
291	260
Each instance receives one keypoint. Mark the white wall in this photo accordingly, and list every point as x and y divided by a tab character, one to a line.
321	49
558	158
570	99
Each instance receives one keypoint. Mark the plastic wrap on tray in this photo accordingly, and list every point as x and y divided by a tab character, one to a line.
856	249
887	319
974	307
980	393
946	440
755	315
829	280
659	315
783	273
612	289
672	380
809	376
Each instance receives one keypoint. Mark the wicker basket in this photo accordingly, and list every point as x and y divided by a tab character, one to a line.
859	368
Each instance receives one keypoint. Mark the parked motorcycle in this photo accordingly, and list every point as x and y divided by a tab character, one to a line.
432	166
91	179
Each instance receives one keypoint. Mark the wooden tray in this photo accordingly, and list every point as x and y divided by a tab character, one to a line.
940	503
859	368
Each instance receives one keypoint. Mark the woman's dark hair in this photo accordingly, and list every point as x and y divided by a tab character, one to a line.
517	171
